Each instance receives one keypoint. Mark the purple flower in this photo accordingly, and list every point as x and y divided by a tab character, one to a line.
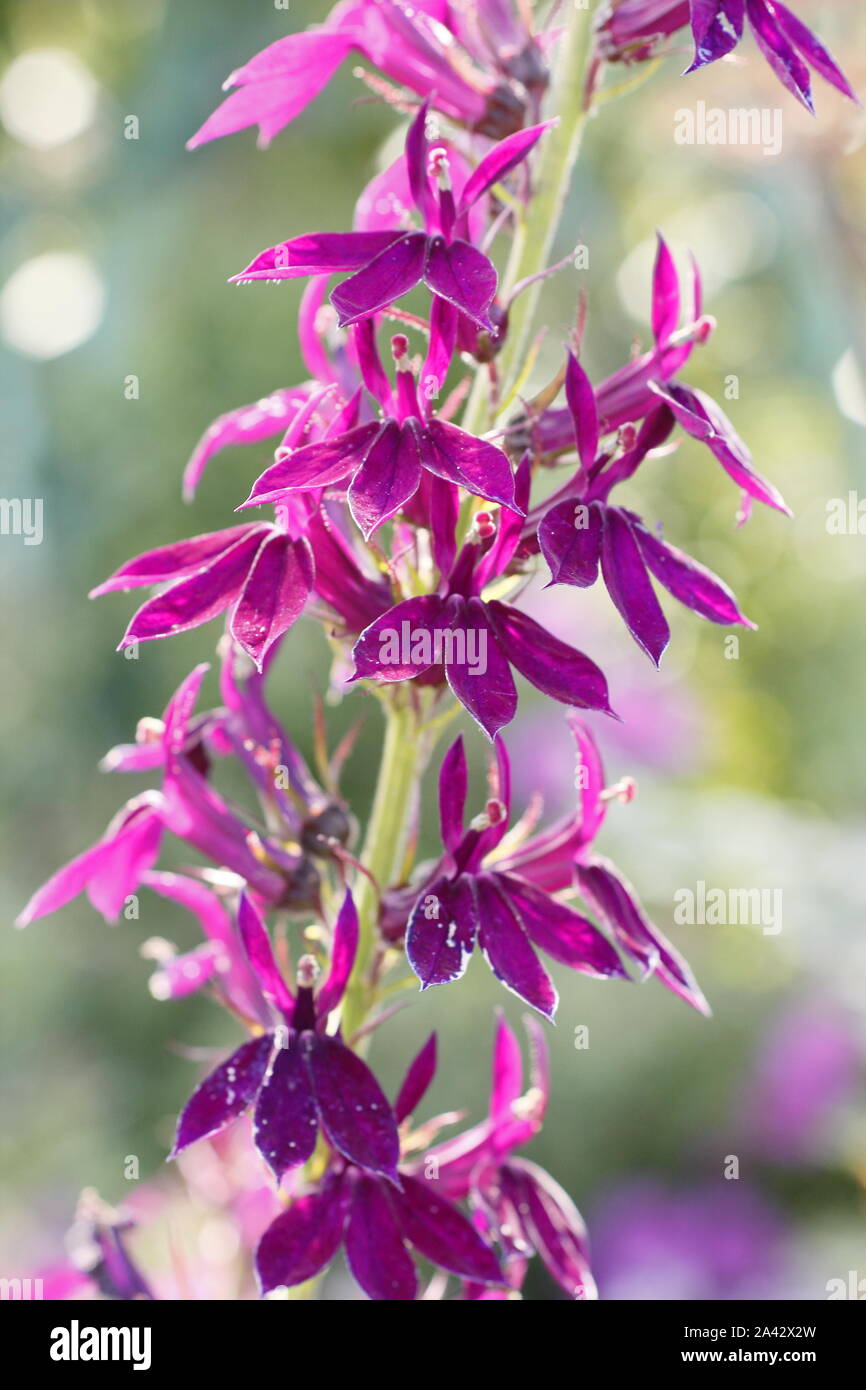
631	29
469	898
386	264
189	806
387	459
299	1077
582	531
480	62
261	572
376	1221
646	390
563	857
512	1198
457	636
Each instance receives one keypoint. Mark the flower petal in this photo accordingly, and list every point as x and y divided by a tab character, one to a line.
170	562
417	1080
665	294
509	952
561	932
553	667
570	539
782	57
225	1094
458	457
389	475
584	413
375	1249
554	1226
274	596
285	1124
464	276
812	49
304	1239
453	789
249	424
257	945
499	162
344	948
387	276
442	1234
351	1105
314	465
614	900
482	680
109	871
198	598
278	83
717	27
318	254
702	418
694	585
441	931
629	586
400	644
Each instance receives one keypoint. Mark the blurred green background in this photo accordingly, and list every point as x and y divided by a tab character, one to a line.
114	256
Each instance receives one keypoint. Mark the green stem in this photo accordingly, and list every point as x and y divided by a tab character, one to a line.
536	232
404	753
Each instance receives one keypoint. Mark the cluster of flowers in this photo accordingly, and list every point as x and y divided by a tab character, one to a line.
405	533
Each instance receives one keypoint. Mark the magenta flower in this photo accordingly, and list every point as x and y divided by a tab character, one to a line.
480	62
261	572
456	635
189	806
386	460
562	857
376	1221
582	531
631	29
513	1198
299	1077
385	264
469	898
638	391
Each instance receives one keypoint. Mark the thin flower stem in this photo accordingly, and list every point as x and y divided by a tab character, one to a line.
535	234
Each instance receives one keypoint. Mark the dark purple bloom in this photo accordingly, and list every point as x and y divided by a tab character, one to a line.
582	531
480	62
376	1222
469	899
386	264
513	1199
457	636
387	459
631	29
299	1077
